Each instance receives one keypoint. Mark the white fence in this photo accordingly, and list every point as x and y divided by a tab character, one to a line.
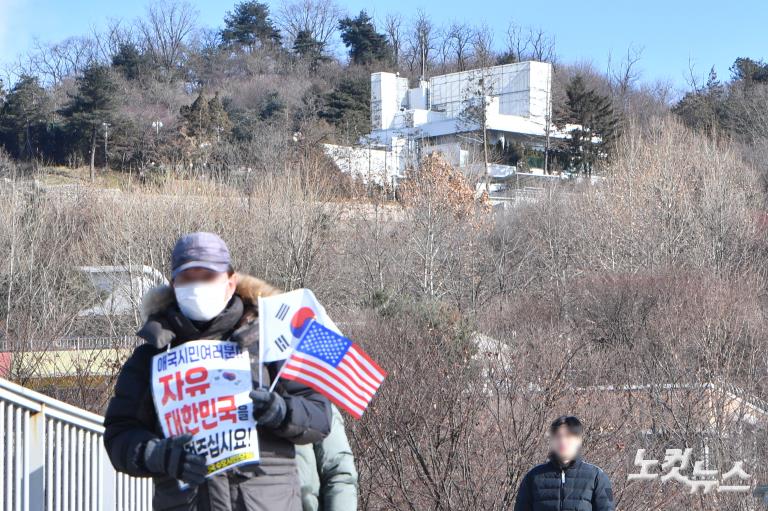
52	458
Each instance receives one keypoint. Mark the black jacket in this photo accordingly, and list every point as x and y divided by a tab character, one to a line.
131	420
576	487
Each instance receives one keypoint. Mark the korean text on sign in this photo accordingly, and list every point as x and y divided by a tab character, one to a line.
201	388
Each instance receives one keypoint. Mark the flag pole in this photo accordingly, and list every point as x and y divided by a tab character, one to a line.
261	343
277	377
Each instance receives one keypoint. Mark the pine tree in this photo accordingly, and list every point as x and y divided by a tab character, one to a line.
129	61
348	106
206	118
23	117
704	108
218	119
474	116
271	106
249	25
196	117
92	105
749	70
597	125
364	43
309	48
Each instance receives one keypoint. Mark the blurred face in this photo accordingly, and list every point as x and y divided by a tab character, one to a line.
202	294
204	276
565	444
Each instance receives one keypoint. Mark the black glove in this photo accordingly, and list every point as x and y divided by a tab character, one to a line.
269	408
168	456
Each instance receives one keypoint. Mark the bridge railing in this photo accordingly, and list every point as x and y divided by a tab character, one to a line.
52	458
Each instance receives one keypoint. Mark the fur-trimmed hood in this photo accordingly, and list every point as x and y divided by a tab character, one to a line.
249	289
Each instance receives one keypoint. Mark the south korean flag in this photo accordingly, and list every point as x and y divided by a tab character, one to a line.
282	320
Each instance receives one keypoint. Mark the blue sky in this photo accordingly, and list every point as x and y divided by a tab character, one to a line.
672	33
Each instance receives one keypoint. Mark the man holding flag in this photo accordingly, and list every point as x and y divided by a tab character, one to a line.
208	301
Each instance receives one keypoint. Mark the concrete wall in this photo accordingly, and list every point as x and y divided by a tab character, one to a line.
388	96
369	164
522	88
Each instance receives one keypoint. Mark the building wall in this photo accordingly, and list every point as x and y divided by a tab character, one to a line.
540	89
370	164
519	97
389	94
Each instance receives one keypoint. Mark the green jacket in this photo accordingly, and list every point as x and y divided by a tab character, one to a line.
327	471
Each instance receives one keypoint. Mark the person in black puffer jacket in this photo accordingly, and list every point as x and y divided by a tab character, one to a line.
208	300
565	482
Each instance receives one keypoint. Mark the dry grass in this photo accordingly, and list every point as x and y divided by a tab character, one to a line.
655	277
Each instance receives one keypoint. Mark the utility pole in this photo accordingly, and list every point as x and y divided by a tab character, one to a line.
106	146
548	121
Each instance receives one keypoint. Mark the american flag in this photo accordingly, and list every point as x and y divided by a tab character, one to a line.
336	367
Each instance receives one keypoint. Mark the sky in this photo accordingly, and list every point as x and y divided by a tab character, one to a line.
674	36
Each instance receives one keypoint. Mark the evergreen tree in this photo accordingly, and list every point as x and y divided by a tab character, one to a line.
196	117
249	25
92	105
748	70
597	124
364	43
348	106
206	118
218	119
309	48
23	117
271	106
129	61
703	109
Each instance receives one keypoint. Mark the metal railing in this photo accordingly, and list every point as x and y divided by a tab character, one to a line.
52	458
73	343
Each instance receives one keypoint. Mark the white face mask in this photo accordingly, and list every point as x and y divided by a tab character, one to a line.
202	301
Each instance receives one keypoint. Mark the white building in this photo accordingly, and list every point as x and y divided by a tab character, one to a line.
517	98
120	288
408	123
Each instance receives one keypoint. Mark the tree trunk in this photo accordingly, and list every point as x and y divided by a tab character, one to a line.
485	157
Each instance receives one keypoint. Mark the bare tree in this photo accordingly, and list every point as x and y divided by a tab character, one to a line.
460	40
320	18
529	44
517	42
166	31
422	42
482	47
108	41
542	45
624	75
393	24
54	62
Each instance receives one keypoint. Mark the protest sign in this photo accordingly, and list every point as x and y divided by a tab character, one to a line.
201	388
